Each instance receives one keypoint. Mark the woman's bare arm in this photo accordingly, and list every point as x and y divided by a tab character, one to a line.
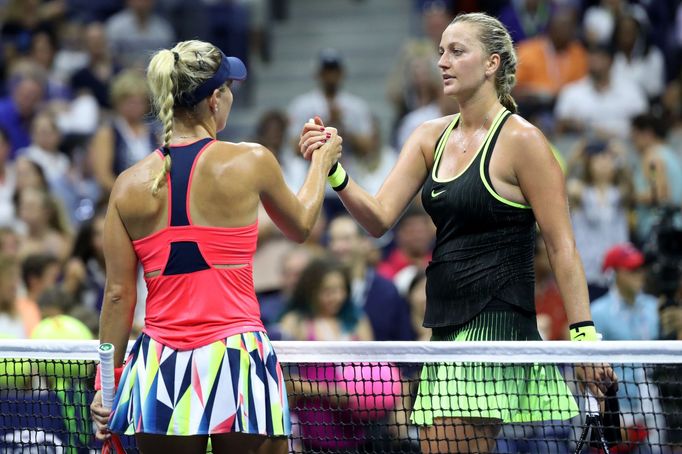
120	290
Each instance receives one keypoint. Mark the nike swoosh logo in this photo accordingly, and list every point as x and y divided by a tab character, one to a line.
435	194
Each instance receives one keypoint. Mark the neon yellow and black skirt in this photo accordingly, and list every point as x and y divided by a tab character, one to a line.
512	393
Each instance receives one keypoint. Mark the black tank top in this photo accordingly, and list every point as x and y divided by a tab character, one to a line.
484	243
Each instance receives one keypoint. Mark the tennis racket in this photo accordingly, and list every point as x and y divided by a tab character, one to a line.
113	444
593	425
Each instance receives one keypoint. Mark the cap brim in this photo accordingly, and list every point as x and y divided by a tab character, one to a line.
237	69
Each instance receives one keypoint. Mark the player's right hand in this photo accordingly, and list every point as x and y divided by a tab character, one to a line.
100	416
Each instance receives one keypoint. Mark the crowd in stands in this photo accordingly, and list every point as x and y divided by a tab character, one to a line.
601	78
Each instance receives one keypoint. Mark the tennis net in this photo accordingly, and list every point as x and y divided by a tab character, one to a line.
370	396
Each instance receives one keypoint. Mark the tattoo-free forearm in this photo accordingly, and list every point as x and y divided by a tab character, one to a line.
570	277
116	318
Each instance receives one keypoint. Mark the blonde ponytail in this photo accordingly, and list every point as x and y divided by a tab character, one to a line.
171	75
160	75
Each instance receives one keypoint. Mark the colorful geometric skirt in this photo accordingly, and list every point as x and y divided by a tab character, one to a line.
231	385
511	393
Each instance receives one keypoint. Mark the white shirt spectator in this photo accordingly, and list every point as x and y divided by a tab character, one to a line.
7	187
647	71
412	120
355	112
609	110
371	178
55	165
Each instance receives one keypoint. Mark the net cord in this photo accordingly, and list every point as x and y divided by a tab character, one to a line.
519	352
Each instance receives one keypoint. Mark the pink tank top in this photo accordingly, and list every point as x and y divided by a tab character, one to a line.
192	303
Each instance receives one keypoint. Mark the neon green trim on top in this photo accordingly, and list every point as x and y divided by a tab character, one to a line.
487	185
559	158
441	147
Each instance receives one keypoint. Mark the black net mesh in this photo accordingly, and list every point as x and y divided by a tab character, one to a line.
376	408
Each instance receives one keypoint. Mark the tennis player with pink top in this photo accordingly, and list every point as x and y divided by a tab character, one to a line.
204	366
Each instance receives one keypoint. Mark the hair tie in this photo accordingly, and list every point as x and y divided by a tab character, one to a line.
176	56
165	151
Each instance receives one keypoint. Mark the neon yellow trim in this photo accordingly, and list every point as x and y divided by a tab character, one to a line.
584	333
487	185
559	158
441	146
336	178
488	134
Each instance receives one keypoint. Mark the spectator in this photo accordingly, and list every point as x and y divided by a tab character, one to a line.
321	307
29	176
44	148
526	19
95	78
418	54
658	173
38	211
128	137
84	276
599	20
414	237
626	313
136	32
273	304
24	18
337	108
11	325
44	46
7	181
636	56
416	297
442	106
602	102
27	84
39	272
9	242
371	169
331	400
672	109
599	199
373	294
56	305
547	63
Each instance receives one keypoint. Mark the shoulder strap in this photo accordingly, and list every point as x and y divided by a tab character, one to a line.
183	160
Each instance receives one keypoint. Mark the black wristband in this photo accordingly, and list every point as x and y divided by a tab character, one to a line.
581	324
333	169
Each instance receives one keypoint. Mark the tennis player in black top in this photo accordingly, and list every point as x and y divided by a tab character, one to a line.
487	176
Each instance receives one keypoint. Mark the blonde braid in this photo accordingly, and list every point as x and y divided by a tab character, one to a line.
161	75
166	116
172	74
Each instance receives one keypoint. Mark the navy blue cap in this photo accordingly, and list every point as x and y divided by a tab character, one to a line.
231	68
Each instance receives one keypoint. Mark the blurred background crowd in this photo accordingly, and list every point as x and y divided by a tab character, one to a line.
601	78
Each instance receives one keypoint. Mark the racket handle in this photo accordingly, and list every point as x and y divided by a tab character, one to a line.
106	360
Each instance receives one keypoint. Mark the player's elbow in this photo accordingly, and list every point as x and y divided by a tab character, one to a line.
378	229
119	296
300	235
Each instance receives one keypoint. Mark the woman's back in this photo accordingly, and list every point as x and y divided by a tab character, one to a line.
223	191
195	240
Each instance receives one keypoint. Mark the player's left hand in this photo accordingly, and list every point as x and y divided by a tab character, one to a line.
313	136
